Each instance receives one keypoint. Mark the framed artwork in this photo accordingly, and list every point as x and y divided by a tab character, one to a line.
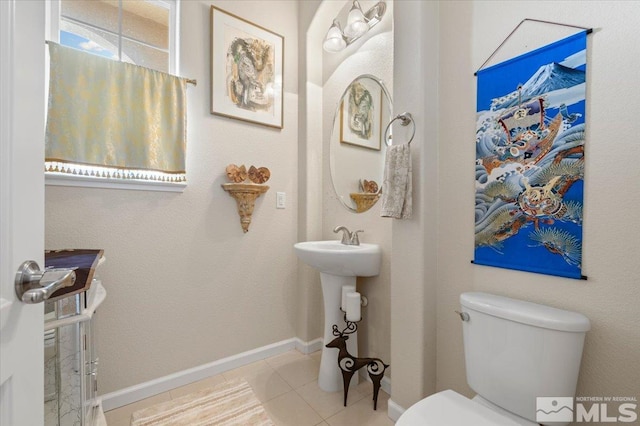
361	115
246	70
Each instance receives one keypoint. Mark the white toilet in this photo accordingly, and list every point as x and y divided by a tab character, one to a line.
515	351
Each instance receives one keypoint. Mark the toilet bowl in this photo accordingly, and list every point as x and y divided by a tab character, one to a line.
515	351
449	408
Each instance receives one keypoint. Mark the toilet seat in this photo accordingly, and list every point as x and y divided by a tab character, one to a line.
449	408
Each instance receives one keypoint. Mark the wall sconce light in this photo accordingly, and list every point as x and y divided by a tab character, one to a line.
358	23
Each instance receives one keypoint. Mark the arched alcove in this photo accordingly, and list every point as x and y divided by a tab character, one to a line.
324	77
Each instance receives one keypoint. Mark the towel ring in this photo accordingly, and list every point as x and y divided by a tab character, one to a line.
405	118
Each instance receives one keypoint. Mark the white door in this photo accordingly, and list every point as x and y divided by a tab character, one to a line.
22	109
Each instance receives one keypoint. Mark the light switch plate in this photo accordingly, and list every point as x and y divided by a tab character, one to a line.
281	200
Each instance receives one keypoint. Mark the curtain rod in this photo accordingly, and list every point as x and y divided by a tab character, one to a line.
188	80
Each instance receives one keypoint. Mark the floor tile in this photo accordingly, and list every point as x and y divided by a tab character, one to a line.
327	403
317	355
291	410
362	413
267	384
299	372
365	387
124	413
196	386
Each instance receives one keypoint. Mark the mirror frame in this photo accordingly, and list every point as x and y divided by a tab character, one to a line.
337	116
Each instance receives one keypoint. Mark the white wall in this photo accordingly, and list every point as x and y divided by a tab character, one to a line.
468	34
413	261
310	309
185	285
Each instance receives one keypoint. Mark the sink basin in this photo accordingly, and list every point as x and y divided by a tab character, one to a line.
335	258
339	265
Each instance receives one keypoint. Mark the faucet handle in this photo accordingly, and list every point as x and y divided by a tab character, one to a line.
355	241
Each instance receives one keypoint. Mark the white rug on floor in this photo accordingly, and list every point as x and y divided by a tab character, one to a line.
230	403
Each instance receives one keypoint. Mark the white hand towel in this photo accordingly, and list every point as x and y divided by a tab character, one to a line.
396	184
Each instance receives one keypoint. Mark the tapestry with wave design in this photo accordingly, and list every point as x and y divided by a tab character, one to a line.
530	139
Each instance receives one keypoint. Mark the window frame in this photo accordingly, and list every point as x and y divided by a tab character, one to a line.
52	31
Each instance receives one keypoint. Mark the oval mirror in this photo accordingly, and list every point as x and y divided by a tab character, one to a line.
357	149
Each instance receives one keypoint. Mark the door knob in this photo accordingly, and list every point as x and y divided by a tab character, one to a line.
34	286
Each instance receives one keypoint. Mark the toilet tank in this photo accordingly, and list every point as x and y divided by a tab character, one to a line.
516	351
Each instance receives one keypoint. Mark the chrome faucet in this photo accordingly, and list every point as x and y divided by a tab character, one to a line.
348	238
346	234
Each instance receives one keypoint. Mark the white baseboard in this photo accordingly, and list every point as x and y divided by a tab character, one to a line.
385	384
309	347
394	411
140	391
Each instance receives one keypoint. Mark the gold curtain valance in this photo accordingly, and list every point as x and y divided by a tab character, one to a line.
114	115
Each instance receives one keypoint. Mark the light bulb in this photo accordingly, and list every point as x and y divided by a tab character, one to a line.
334	40
356	23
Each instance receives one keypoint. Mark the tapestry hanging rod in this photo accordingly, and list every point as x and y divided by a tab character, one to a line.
589	31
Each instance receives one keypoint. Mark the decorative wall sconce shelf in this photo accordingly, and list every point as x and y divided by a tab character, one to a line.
245	195
364	200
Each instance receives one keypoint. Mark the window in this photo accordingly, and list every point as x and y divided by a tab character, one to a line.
141	32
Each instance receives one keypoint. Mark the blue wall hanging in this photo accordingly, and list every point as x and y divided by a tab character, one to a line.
529	167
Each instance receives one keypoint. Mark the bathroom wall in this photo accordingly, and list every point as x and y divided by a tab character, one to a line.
185	285
468	33
414	258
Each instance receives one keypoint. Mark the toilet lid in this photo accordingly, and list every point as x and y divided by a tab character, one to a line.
451	409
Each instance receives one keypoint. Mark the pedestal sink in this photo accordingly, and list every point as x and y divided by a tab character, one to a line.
339	264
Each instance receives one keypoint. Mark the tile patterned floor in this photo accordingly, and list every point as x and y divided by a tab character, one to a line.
286	384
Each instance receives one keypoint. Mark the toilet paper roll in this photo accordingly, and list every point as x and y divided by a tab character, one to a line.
353	307
346	289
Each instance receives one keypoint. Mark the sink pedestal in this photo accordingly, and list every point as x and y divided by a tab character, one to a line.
330	376
339	264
